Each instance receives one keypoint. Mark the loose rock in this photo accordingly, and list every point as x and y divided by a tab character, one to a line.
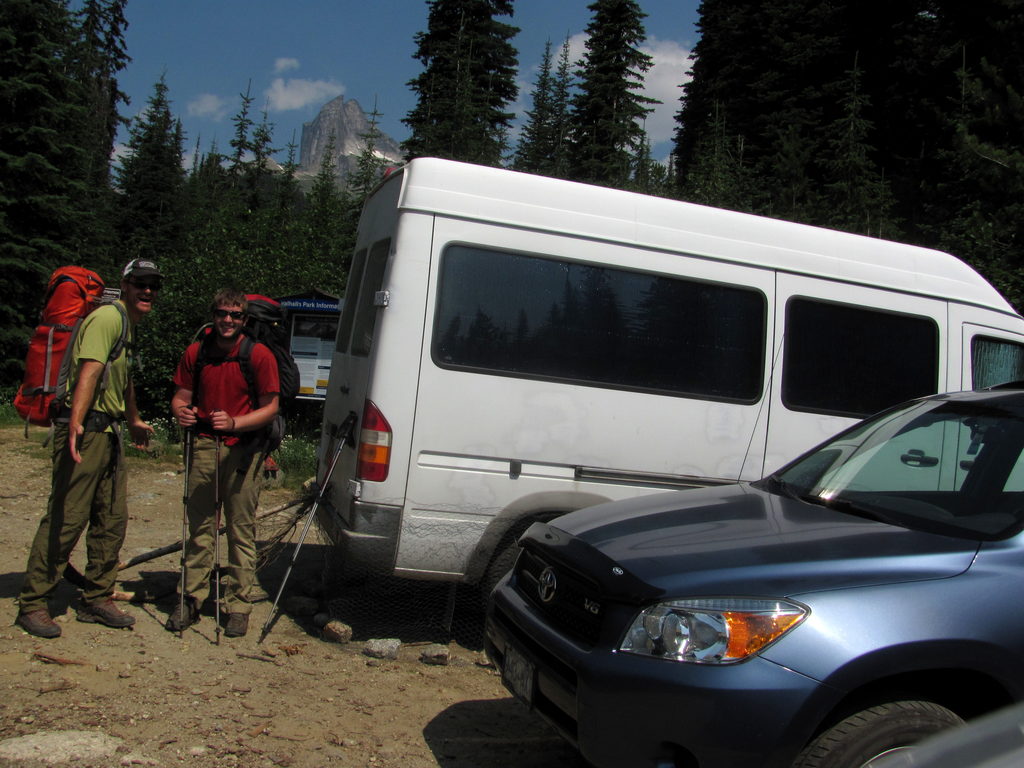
336	632
382	648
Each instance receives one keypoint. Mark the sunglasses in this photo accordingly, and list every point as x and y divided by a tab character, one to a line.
143	285
234	314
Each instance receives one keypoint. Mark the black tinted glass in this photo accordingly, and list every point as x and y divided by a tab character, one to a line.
523	315
852	361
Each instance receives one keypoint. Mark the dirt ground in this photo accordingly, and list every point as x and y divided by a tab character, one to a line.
294	700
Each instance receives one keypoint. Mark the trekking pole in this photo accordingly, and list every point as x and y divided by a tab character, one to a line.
345	434
188	447
216	538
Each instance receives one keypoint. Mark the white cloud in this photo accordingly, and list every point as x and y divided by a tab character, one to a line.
207	105
671	64
289	94
285	65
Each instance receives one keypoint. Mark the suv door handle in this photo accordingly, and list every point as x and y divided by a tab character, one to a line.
916	458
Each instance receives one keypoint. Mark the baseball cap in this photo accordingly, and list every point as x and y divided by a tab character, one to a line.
141	268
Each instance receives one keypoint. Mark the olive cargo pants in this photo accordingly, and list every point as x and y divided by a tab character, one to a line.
92	493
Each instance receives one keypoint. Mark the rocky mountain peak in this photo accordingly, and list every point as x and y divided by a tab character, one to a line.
349	123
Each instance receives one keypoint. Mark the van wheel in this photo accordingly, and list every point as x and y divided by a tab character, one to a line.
866	736
502	560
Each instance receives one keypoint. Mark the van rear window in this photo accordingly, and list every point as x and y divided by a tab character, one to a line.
359	313
522	315
845	360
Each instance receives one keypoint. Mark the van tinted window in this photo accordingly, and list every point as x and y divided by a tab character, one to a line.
348	308
850	361
995	361
520	315
366	310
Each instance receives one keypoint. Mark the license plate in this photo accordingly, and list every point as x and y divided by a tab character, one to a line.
518	674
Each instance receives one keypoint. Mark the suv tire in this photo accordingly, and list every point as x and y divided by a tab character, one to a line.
858	740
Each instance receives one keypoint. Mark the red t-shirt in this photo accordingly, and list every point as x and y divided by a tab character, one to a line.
223	386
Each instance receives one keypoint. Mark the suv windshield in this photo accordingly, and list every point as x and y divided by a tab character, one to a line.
947	466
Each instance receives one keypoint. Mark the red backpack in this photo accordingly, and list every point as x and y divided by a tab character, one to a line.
71	294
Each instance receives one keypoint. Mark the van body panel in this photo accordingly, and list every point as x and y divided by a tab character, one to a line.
538	346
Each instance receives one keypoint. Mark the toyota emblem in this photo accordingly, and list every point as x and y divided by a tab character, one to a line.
546	585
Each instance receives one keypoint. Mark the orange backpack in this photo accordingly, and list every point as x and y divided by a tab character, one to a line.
71	294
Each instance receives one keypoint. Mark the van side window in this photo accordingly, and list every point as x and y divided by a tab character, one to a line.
348	307
995	361
845	360
518	315
366	312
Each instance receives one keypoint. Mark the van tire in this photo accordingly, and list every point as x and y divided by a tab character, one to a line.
865	736
501	563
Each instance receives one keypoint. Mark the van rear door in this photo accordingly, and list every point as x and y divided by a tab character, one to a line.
351	360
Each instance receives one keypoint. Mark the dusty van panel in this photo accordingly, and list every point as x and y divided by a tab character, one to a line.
516	347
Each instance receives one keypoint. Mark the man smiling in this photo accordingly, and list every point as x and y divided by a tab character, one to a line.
89	487
227	392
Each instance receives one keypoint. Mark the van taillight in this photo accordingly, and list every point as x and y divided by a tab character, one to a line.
374	445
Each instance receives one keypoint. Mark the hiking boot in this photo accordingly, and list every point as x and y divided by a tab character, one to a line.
178	619
38	623
237	626
105	613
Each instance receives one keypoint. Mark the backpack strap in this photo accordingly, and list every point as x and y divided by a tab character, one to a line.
120	346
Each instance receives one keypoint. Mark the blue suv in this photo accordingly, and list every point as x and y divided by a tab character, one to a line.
862	597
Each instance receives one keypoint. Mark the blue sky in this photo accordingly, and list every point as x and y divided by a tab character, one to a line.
295	57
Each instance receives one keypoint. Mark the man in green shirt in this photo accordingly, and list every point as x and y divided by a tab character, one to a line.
89	487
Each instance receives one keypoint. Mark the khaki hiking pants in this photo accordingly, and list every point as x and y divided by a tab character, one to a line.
239	495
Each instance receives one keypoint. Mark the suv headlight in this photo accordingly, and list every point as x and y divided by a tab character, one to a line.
711	630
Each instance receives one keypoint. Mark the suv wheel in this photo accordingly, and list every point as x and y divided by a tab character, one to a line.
860	739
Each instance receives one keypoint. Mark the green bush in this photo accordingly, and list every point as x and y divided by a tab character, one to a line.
297	459
8	416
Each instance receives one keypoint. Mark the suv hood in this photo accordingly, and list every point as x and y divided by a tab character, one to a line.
738	539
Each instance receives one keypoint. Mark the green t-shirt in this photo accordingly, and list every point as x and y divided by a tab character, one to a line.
96	338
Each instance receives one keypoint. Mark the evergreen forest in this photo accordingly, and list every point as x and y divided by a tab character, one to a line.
902	120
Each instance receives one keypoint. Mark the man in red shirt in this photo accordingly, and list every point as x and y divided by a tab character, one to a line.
226	403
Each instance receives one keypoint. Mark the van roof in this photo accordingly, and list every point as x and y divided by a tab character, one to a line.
496	195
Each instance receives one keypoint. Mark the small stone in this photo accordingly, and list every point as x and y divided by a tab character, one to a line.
336	632
436	654
382	648
321	619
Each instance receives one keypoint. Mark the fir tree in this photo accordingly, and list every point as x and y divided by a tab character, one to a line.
467	83
857	196
533	150
608	109
324	228
42	165
100	55
543	145
151	180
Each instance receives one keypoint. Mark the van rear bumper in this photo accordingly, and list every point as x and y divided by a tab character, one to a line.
366	538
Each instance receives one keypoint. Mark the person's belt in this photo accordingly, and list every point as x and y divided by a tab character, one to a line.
94	421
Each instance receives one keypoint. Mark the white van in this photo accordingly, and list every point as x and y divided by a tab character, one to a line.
517	347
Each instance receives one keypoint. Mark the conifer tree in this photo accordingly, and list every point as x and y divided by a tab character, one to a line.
544	143
326	246
856	194
42	176
534	145
608	109
151	180
99	55
467	83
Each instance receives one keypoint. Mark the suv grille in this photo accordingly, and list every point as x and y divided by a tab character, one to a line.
570	602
